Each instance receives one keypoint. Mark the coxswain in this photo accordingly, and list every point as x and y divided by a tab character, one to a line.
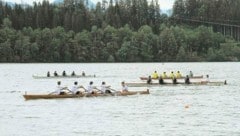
75	88
64	73
105	88
187	80
55	73
149	80
48	74
161	80
178	74
155	75
124	87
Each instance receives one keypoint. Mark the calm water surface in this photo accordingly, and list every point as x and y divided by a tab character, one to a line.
213	110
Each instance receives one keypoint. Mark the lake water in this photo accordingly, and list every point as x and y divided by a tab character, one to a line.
213	110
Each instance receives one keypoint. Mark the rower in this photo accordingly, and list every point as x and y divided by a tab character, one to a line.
83	73
124	87
161	80
48	74
172	75
207	80
149	80
187	80
225	82
174	80
73	74
178	74
64	73
164	75
190	74
90	88
55	73
105	88
75	88
59	89
155	75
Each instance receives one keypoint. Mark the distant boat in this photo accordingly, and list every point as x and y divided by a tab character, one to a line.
60	76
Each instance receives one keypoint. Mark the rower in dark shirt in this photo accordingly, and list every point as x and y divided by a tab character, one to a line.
55	73
64	73
73	73
161	80
174	80
187	80
48	74
149	80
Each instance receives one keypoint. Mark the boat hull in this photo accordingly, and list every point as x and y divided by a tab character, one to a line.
51	96
179	83
195	77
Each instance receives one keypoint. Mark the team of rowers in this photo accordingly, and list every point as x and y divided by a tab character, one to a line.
64	73
172	76
91	89
178	74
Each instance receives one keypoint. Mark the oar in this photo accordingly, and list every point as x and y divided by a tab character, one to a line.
115	91
112	89
69	91
98	89
84	88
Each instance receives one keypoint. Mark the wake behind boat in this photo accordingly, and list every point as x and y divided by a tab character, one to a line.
60	76
54	96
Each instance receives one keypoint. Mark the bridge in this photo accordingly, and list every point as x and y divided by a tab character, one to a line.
224	28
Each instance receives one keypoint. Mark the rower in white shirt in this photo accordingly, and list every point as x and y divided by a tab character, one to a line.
75	88
105	88
90	88
124	87
59	90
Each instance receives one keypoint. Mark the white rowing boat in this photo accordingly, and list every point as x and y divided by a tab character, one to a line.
60	76
142	84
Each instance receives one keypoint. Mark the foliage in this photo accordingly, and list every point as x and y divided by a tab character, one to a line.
125	31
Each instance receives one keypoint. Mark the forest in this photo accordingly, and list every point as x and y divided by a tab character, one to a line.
116	31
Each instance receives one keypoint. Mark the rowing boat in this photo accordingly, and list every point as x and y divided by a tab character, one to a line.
60	76
141	84
183	77
54	96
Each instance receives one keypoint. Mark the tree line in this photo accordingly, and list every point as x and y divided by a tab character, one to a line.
221	11
124	31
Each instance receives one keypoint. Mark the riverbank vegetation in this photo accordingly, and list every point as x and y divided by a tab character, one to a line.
126	31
